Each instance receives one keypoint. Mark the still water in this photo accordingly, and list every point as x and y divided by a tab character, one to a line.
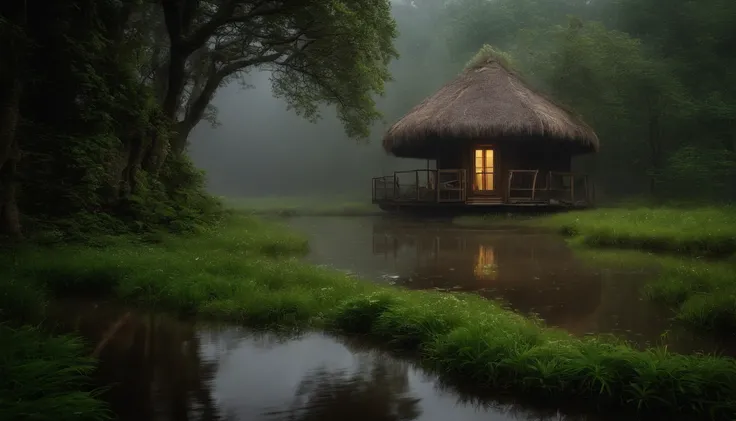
535	272
162	368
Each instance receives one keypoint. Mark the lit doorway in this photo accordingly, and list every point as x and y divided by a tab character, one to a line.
483	180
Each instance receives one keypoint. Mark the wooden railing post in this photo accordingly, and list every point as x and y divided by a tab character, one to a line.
534	184
437	185
508	189
416	183
572	189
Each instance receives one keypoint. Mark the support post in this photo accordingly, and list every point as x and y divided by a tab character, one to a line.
572	189
416	177
437	185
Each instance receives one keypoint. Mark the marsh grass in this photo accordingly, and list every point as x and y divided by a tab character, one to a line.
701	292
45	378
244	272
299	206
694	232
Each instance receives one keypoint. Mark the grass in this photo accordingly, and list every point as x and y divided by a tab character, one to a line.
702	293
692	232
302	206
244	272
44	378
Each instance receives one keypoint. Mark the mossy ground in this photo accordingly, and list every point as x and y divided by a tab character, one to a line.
244	271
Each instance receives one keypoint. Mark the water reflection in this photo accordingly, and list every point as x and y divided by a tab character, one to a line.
161	368
532	271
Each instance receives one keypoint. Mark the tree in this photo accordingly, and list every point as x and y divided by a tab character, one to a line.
629	96
12	36
325	51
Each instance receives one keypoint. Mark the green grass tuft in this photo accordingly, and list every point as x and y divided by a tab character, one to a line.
703	294
245	272
693	232
45	378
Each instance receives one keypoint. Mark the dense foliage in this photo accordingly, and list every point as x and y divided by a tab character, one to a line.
654	78
97	99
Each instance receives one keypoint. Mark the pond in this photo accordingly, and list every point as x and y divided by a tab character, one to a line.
533	271
158	367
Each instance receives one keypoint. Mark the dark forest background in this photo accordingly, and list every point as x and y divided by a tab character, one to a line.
106	106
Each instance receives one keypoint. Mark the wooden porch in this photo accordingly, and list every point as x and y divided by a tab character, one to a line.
453	187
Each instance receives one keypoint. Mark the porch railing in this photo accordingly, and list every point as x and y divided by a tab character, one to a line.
534	186
450	185
421	186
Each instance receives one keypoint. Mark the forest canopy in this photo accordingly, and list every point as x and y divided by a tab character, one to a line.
654	78
98	99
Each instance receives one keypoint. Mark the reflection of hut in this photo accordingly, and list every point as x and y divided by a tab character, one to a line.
494	141
533	272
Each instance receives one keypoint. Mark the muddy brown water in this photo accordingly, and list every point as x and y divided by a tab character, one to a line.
161	368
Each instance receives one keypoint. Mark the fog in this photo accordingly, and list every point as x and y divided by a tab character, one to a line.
262	148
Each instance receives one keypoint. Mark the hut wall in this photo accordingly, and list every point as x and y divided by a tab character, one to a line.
517	154
450	156
509	154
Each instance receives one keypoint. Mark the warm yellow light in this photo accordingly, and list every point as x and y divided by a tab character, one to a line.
483	169
485	263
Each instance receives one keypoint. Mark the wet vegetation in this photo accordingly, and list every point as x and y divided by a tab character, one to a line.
702	291
703	231
98	195
44	377
243	272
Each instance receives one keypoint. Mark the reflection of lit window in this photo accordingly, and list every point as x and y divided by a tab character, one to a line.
485	264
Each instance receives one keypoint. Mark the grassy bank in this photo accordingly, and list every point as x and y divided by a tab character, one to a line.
692	232
44	378
702	293
302	206
242	273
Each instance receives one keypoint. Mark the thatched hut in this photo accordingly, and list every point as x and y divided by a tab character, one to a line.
504	142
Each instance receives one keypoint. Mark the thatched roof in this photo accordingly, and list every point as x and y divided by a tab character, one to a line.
487	101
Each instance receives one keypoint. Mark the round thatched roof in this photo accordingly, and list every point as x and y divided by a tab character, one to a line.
486	101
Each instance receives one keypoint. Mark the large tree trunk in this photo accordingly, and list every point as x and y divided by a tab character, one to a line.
11	88
10	93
